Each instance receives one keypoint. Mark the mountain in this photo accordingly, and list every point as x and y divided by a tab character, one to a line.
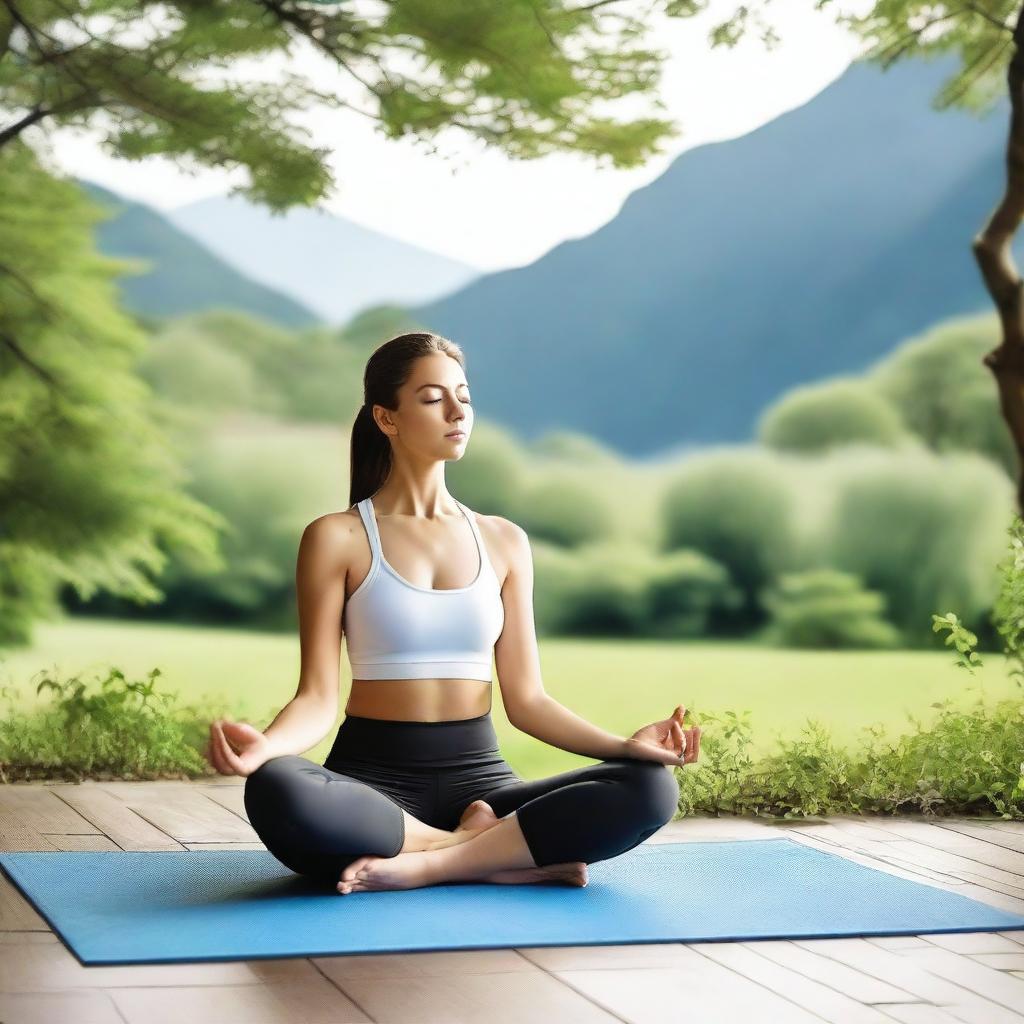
807	248
327	262
186	277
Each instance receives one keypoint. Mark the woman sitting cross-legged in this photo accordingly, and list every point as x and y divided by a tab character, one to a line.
415	791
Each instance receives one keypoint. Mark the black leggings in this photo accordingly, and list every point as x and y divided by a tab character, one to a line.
317	819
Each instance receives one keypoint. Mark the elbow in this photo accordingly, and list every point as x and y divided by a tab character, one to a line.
525	712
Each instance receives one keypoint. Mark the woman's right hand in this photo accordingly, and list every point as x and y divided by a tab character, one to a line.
236	748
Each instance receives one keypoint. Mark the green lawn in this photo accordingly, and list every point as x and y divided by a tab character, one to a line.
618	685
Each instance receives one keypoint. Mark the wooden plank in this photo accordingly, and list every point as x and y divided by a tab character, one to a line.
889	966
995	986
808	993
183	813
41	809
891	865
16	832
16	913
38	1007
315	1001
231	798
660	994
84	843
972	942
1001	961
998	837
115	819
921	1013
962	1002
861	827
972	847
509	998
956	863
857	984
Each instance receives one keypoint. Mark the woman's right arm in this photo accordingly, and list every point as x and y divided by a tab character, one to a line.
306	719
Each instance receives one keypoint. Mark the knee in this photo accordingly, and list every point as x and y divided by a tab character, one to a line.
270	786
272	773
655	788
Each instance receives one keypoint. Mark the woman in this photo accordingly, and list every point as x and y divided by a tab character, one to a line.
414	791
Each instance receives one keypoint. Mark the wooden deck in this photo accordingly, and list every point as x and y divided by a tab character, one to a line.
974	977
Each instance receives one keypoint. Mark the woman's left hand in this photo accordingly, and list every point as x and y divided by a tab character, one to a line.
666	741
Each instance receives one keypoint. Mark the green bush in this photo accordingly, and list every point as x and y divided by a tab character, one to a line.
737	507
566	508
621	589
686	593
944	394
825	608
967	763
599	589
125	730
835	412
923	529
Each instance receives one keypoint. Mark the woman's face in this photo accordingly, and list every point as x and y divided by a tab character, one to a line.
432	403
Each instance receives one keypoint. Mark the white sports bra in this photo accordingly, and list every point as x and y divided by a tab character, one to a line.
396	630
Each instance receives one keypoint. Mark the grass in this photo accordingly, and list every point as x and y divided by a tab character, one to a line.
618	685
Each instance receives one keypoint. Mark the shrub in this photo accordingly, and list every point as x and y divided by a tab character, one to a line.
567	508
967	763
619	588
825	608
1007	613
834	412
922	529
942	391
736	507
125	730
686	593
599	589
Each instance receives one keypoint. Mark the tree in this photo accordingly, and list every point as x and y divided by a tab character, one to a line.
90	492
524	76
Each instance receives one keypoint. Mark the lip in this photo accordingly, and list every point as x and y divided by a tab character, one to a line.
456	434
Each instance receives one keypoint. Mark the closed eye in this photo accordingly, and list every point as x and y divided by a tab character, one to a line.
434	401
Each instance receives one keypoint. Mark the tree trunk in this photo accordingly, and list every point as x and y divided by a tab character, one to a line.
995	259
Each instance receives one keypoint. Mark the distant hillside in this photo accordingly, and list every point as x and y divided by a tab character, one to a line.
807	247
330	264
186	277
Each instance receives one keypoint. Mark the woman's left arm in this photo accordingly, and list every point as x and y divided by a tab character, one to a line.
530	708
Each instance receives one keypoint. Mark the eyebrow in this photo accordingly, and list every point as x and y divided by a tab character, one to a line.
422	386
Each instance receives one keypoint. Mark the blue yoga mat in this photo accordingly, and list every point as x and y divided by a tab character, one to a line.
134	908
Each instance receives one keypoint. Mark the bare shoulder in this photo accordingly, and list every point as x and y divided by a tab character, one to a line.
331	535
507	540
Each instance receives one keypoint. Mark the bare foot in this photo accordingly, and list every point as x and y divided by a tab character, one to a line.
574	873
405	871
411	871
477	816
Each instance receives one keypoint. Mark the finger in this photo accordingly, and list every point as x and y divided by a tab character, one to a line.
694	744
230	757
678	737
234	764
211	753
214	751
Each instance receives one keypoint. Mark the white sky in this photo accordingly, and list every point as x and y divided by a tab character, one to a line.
475	204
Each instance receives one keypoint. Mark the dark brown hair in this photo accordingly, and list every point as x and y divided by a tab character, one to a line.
387	369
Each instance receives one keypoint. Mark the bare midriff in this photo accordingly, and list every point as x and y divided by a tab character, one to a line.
419	700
